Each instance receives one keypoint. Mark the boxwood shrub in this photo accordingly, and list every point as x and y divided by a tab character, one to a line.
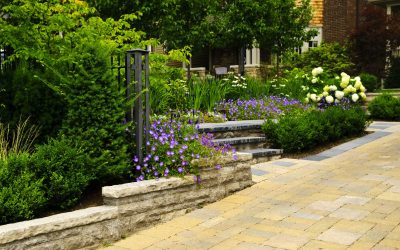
306	130
385	107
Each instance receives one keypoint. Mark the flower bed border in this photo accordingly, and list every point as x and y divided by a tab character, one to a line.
128	208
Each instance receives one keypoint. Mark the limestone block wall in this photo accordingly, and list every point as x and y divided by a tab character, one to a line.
128	208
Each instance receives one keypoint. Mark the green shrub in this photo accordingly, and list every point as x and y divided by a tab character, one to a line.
306	130
22	195
63	169
333	57
369	81
385	107
96	110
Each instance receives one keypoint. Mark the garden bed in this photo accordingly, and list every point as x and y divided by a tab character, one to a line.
128	208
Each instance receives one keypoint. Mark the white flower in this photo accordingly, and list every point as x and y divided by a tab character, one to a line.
329	99
317	71
313	97
355	97
308	95
325	93
345	80
332	88
362	89
326	88
363	96
358	84
314	80
357	78
318	98
337	101
306	100
339	94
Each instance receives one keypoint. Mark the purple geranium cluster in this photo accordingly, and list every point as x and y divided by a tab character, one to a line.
173	146
265	108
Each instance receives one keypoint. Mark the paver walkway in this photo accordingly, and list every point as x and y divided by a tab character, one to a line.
348	198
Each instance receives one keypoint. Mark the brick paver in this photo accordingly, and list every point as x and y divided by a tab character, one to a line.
350	200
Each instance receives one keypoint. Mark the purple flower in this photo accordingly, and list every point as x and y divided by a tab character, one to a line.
138	167
156	158
180	169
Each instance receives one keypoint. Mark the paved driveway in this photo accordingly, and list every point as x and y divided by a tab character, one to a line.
344	198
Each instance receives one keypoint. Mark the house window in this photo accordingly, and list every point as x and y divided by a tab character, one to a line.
298	50
312	44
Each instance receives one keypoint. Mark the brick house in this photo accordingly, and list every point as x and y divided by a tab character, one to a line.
335	21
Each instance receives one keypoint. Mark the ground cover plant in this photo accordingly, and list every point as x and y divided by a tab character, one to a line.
255	109
174	145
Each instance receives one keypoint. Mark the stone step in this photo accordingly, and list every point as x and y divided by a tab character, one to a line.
244	143
263	154
232	129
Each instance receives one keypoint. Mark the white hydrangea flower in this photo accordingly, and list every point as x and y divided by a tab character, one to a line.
332	88
362	89
308	95
358	84
314	80
326	88
354	97
306	100
339	94
357	78
363	96
313	97
329	99
325	93
317	71
345	80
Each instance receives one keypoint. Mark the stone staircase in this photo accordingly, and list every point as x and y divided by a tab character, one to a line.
245	136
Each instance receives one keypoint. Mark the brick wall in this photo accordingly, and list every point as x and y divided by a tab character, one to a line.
341	18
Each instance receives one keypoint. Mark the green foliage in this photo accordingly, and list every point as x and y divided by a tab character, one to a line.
306	130
73	49
64	171
21	194
333	57
385	107
370	81
205	94
293	84
96	111
24	95
393	79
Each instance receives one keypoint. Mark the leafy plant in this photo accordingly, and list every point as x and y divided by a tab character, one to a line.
22	195
370	81
385	107
63	170
332	57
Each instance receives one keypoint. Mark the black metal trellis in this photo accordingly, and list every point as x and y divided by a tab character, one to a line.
137	65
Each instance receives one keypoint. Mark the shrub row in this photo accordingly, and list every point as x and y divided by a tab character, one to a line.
306	130
385	107
53	177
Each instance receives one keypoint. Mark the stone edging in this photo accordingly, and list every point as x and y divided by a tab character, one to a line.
128	208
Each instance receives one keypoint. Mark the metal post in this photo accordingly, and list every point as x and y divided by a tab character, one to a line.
128	76
141	122
147	101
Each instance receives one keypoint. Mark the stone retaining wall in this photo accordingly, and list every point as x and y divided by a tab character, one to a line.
128	208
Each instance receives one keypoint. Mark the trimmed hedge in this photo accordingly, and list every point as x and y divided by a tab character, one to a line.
303	131
385	107
54	177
